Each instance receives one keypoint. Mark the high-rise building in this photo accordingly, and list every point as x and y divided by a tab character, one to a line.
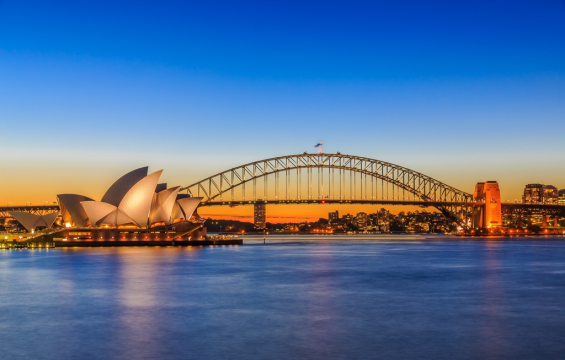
561	199
361	220
533	194
373	219
550	194
540	194
333	216
260	215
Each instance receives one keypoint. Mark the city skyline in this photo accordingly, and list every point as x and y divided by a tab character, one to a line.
462	93
532	194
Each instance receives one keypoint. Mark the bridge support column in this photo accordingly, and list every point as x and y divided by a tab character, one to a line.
519	222
556	221
478	217
489	193
544	221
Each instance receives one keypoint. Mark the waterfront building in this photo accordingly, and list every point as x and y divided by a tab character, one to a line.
347	219
361	220
333	217
561	199
260	215
550	194
540	194
134	201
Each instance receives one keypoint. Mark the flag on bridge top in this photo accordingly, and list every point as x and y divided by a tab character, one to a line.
318	144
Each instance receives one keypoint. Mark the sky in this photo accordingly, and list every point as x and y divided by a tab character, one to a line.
462	91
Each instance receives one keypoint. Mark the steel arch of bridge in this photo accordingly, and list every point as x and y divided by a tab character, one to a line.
423	188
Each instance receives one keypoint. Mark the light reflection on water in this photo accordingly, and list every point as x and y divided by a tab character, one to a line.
296	297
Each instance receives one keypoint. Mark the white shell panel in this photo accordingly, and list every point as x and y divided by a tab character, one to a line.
116	193
137	201
96	210
188	205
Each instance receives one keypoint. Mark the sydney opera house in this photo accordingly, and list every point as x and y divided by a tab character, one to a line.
136	200
136	208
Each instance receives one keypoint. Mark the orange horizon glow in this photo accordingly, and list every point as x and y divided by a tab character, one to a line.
39	185
312	212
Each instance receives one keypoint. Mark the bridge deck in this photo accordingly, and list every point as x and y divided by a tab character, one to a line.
507	208
342	202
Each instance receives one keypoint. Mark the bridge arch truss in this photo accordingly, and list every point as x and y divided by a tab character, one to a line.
340	177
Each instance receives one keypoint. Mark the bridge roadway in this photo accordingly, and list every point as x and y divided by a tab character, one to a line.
342	202
33	209
507	208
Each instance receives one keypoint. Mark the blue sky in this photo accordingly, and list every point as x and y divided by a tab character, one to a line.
462	91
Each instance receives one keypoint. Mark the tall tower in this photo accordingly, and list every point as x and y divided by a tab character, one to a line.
488	215
493	207
479	211
260	215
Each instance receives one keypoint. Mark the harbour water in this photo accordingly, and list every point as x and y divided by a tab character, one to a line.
296	297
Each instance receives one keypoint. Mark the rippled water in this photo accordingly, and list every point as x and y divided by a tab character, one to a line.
293	298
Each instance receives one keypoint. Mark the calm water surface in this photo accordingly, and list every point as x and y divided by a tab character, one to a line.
294	298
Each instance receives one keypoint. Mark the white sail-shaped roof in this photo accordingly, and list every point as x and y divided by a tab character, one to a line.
30	221
137	201
177	212
50	218
116	217
162	207
134	205
188	205
120	188
97	210
72	210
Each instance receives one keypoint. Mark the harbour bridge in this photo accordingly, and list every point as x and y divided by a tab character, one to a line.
345	179
332	179
337	179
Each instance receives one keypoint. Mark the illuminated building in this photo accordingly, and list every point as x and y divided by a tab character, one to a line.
361	220
561	199
540	194
532	194
333	216
260	215
550	194
135	209
488	215
136	200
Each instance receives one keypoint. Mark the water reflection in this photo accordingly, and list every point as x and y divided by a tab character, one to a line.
493	343
293	298
320	306
143	293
